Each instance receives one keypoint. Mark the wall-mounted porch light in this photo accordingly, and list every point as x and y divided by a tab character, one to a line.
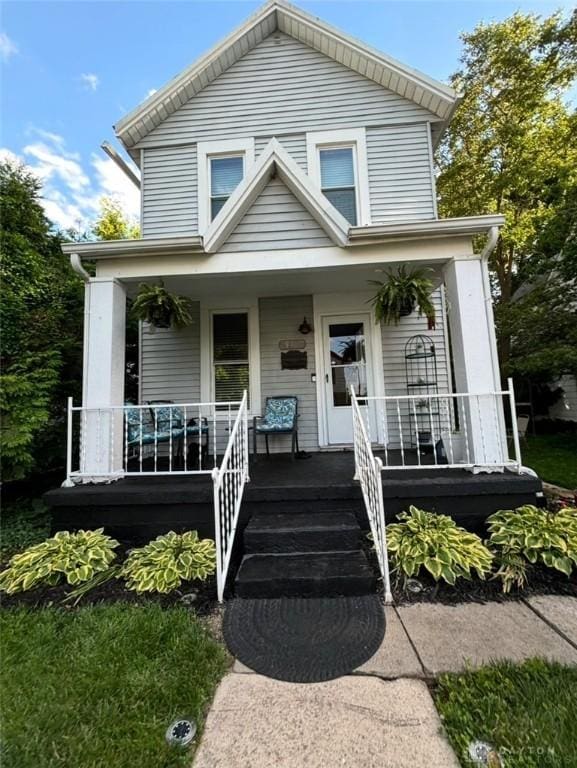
304	327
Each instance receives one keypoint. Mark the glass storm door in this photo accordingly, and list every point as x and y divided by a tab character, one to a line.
347	363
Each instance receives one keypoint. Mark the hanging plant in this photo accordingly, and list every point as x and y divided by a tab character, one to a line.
160	308
402	292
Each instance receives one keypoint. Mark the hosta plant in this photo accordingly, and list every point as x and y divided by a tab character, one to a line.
426	540
73	557
163	564
535	535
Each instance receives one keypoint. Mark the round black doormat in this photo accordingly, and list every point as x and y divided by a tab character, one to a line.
304	640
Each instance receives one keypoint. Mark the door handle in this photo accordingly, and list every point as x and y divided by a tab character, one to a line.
327	378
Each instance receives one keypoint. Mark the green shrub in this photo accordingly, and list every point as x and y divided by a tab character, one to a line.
163	564
435	542
76	557
24	522
534	535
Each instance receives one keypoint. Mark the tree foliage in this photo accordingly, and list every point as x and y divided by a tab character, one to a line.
113	223
512	148
41	317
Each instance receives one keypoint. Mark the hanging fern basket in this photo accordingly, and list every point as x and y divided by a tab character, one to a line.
404	291
160	308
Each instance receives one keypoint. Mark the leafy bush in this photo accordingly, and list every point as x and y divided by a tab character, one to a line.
24	522
447	551
535	535
163	564
75	556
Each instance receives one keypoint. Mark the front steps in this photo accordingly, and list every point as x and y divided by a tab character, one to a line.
303	555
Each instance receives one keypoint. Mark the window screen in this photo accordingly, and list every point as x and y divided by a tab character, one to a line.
230	355
225	175
338	180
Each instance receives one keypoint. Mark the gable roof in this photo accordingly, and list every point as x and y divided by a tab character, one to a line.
275	160
439	99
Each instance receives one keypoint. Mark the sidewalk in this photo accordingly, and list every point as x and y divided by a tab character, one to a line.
383	715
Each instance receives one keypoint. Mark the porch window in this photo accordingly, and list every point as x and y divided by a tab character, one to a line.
337	168
225	175
230	355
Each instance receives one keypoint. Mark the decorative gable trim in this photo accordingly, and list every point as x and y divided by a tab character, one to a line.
439	99
275	160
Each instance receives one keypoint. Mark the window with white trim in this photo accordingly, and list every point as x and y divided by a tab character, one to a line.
337	162
230	355
338	184
226	173
222	165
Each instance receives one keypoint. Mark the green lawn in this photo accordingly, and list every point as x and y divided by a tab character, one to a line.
553	457
527	712
98	686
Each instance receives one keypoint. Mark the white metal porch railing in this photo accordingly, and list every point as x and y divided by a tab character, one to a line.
228	485
146	440
449	430
368	472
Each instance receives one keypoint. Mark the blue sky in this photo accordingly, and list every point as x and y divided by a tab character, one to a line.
70	70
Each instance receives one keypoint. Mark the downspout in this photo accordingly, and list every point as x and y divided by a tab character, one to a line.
485	254
76	264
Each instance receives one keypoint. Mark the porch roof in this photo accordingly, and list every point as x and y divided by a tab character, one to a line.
371	234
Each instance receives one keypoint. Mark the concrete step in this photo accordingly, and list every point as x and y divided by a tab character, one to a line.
309	574
290	533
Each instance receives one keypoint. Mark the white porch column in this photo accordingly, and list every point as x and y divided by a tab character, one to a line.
475	359
101	453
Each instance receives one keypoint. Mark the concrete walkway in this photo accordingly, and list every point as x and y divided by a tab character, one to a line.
383	715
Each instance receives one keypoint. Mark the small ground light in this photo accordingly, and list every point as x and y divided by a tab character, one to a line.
180	733
414	585
484	754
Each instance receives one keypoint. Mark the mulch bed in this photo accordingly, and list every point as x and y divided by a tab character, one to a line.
199	596
542	581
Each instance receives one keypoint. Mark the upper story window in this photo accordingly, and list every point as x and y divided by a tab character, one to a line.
337	166
226	173
337	162
222	165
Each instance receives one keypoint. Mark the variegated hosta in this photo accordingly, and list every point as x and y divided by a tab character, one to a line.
163	564
434	542
536	535
76	557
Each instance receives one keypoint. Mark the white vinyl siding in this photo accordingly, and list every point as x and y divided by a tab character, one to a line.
169	192
295	145
276	220
400	182
280	319
170	362
283	87
394	338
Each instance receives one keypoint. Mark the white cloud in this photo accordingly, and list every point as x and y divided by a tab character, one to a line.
71	188
7	156
7	47
150	93
90	80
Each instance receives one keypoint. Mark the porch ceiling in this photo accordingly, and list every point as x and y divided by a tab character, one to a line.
289	283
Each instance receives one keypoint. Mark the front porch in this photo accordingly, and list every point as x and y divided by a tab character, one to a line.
135	508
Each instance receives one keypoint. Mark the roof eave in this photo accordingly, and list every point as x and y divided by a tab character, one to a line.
463	226
111	249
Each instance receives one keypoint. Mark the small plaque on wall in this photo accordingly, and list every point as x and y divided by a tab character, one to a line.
293	360
287	344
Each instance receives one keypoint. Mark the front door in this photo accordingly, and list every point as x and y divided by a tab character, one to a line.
347	361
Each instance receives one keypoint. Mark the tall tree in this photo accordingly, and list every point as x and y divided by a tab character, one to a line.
41	316
512	145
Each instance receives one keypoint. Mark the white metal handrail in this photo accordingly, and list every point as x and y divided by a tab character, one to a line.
449	430
150	439
368	472
228	485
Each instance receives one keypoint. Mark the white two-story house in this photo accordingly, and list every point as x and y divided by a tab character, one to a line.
280	174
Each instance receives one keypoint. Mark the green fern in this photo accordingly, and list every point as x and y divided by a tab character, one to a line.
403	291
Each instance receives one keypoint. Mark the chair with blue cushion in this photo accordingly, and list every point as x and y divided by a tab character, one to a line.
170	418
280	418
